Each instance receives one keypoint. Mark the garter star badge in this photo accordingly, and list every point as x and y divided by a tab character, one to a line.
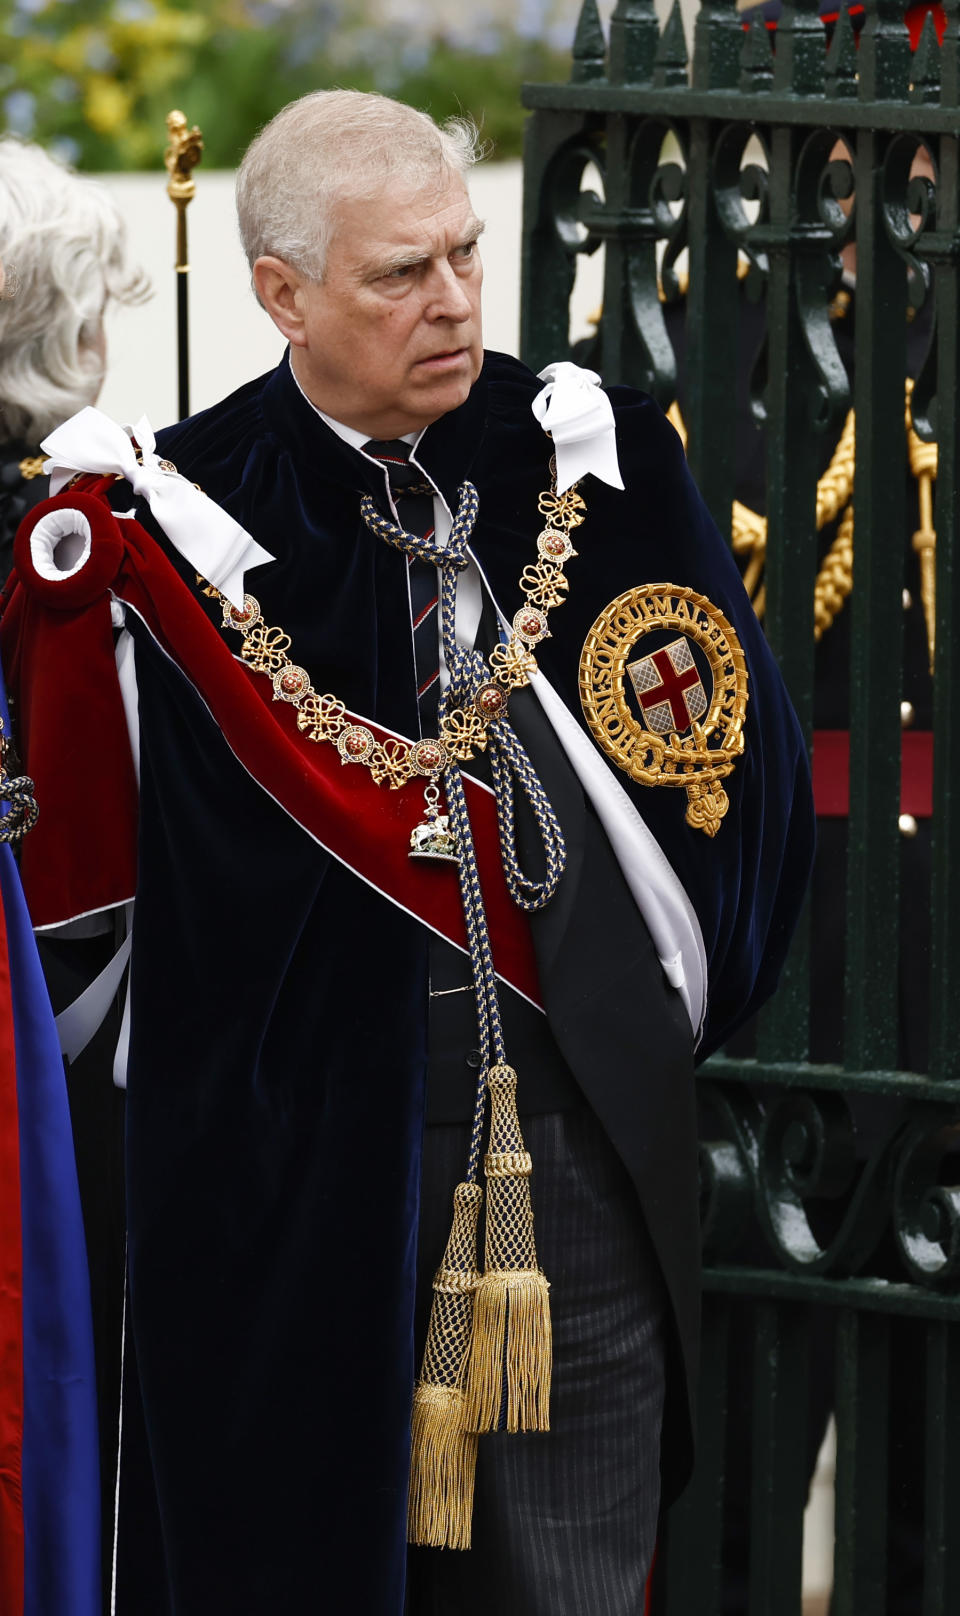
663	684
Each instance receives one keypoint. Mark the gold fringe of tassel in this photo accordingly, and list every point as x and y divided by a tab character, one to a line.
511	1351
442	1467
443	1452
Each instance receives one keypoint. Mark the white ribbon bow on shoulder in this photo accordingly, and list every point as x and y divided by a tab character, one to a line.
577	413
214	544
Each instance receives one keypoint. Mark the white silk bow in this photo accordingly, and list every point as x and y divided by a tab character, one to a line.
214	544
577	413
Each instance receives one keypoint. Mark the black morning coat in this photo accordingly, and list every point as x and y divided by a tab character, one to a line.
278	1048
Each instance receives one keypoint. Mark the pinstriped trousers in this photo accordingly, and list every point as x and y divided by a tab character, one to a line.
564	1523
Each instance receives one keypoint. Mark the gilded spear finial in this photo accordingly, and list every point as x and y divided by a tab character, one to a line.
181	157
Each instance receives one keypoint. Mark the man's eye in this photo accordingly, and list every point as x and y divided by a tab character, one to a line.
466	251
402	272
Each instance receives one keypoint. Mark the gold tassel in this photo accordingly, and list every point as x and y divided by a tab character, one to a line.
511	1349
442	1466
443	1452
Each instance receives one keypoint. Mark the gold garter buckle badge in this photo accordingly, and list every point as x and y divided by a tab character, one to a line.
672	715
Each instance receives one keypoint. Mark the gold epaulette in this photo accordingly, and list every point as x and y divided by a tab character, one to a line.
32	467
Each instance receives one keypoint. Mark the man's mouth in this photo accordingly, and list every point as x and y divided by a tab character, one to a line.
448	356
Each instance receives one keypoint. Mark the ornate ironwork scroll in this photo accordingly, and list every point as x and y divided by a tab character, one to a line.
810	190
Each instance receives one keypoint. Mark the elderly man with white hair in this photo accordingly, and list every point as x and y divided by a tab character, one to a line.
455	834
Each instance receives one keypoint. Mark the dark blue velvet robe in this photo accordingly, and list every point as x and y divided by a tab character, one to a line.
279	1005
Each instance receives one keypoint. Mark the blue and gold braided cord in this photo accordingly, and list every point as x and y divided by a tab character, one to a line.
468	670
489	1026
476	1340
508	759
451	555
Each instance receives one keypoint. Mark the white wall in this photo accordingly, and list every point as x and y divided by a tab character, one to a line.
231	338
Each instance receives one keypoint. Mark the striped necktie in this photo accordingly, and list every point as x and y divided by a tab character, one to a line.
414	500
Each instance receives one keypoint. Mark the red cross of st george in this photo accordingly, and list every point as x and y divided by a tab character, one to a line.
671	687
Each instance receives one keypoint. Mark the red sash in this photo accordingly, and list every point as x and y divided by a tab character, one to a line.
57	645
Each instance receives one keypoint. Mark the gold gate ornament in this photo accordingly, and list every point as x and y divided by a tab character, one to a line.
679	750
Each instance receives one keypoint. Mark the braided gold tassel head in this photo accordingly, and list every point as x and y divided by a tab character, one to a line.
511	1353
444	1450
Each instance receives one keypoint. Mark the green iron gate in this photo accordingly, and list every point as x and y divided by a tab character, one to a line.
739	159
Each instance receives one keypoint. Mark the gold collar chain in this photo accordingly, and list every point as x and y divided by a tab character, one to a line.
463	731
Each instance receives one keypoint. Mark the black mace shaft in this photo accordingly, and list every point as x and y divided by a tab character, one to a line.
183	330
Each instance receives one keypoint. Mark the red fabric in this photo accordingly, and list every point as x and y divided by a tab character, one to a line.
365	825
916	16
831	773
58	649
828	18
11	1312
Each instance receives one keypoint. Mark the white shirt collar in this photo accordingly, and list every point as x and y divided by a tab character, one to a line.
349	434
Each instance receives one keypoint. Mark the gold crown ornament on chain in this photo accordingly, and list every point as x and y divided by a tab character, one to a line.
463	730
676	735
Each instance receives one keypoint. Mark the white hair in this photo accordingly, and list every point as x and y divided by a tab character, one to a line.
326	147
63	247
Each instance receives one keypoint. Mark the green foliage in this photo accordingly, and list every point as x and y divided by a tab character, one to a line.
95	78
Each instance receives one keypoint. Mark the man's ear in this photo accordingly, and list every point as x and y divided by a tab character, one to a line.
278	286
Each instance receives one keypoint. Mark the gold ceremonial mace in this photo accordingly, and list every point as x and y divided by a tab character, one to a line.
181	157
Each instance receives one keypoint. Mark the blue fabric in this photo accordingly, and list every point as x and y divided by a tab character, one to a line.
274	1105
279	1006
828	10
61	1484
267	456
747	883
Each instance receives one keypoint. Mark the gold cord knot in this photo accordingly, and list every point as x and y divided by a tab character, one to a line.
508	1164
501	1076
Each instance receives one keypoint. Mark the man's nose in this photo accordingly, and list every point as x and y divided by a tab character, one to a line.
447	297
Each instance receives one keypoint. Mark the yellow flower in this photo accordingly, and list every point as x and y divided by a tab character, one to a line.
159	31
70	52
106	105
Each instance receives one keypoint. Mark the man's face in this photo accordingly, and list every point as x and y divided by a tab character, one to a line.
391	337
